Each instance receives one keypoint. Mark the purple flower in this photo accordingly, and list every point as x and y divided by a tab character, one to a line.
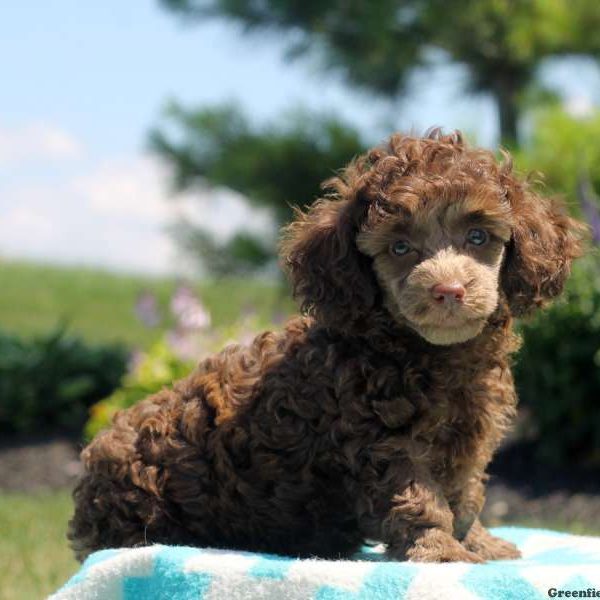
188	311
589	206
146	309
592	214
185	345
136	358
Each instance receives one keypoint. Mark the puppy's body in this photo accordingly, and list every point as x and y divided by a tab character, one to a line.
298	443
376	417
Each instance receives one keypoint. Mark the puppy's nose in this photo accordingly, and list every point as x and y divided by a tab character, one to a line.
448	292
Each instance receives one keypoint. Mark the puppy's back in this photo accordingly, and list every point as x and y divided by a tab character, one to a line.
160	454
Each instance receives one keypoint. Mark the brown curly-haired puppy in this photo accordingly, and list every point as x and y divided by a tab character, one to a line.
375	415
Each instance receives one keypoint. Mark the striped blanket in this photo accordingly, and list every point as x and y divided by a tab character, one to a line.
552	564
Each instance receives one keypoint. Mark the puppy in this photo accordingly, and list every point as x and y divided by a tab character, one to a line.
375	414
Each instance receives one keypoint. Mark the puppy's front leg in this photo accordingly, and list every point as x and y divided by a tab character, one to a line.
488	546
468	528
466	503
418	524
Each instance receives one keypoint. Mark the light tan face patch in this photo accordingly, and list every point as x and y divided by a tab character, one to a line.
431	244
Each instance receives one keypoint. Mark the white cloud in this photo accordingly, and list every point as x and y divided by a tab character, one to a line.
113	214
138	189
222	211
127	188
26	219
28	228
579	107
37	142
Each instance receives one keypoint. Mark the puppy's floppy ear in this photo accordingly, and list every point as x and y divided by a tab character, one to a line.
332	279
544	242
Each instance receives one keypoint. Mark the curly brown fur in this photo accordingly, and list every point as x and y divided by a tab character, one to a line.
373	416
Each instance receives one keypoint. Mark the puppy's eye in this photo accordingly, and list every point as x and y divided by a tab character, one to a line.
400	248
477	237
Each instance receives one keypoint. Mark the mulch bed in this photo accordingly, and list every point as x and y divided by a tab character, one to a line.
38	463
523	489
520	489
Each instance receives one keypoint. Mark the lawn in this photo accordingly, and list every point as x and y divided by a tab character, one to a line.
34	557
99	305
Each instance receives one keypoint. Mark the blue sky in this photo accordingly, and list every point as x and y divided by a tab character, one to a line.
82	83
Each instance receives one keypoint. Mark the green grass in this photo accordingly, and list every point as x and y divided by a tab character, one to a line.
99	305
35	558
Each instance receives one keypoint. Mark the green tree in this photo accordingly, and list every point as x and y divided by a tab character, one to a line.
276	166
377	45
565	149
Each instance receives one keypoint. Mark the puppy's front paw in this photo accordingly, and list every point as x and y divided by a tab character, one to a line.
480	541
434	545
449	553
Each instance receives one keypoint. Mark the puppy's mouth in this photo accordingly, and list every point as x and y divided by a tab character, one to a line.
444	323
444	335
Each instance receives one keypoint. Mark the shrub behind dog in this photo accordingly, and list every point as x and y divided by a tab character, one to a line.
49	382
558	370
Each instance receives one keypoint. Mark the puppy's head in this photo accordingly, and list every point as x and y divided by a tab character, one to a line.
434	232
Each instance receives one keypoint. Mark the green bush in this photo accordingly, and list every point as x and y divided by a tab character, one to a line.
49	382
156	369
558	370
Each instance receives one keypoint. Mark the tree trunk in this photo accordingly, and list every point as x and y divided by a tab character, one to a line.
505	92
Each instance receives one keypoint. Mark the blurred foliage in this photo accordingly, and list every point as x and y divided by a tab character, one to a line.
166	362
564	148
244	252
558	370
158	368
275	167
377	45
49	382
